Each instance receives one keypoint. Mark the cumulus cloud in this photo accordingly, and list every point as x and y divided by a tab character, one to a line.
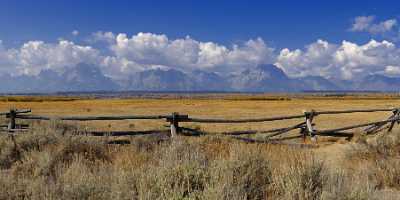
129	54
119	68
346	61
138	52
189	54
35	56
367	24
315	60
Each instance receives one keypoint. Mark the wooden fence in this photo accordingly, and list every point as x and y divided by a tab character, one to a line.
307	128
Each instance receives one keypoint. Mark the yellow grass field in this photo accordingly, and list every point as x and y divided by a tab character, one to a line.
228	107
48	163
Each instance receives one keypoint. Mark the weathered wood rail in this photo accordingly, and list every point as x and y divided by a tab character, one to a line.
307	127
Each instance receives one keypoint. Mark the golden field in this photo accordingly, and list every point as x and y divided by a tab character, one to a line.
48	163
225	107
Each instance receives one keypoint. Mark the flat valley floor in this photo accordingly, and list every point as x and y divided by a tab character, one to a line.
222	108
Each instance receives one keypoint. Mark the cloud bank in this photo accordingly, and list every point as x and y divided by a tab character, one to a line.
341	61
149	50
129	54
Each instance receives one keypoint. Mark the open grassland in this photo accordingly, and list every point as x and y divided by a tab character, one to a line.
229	107
49	162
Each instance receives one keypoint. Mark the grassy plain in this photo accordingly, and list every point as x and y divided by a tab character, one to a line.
226	107
47	163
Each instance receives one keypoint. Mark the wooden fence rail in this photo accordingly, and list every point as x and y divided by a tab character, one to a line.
359	126
35	117
231	121
16	111
353	111
307	127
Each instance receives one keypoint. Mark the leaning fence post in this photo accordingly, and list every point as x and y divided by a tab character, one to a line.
309	118
174	124
395	115
12	115
303	132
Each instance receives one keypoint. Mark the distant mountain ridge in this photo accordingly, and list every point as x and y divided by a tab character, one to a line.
263	78
83	78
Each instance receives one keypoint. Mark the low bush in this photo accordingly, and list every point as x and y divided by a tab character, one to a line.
301	177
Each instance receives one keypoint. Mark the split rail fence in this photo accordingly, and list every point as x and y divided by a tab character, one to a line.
307	128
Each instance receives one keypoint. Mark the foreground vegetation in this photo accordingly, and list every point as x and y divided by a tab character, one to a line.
49	163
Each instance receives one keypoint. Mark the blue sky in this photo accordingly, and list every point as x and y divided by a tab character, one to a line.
282	23
332	39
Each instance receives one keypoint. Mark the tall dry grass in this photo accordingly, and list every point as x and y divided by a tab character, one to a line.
53	163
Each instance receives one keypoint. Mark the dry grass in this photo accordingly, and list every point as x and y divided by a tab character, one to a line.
52	165
53	161
380	155
227	107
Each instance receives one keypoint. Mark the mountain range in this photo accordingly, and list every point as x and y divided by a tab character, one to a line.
263	78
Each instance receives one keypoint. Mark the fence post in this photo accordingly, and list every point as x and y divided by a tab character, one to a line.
396	113
11	124
303	132
309	118
174	124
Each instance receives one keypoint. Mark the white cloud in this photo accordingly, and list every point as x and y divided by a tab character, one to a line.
34	56
182	52
252	53
367	24
392	70
188	54
75	32
316	59
144	48
345	61
139	52
119	68
383	27
362	23
6	59
142	51
108	37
